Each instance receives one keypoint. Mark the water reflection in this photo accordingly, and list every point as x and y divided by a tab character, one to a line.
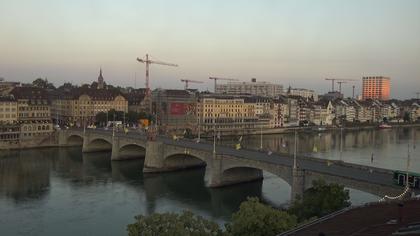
64	192
388	146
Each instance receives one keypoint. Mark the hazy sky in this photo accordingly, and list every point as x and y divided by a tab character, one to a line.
296	42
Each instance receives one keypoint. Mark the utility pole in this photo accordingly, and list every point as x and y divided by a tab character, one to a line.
353	91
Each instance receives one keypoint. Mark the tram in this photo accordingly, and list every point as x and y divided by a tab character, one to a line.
400	178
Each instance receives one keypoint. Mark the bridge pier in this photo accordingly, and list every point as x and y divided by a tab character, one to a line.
154	159
115	153
298	183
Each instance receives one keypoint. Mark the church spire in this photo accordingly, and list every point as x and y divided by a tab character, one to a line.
100	80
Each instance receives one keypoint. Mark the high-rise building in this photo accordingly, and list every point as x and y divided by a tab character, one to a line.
376	87
265	89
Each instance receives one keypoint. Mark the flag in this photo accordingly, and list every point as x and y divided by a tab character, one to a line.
240	139
315	149
125	130
185	132
174	137
238	146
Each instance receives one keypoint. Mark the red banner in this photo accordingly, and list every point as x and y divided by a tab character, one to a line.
178	108
182	108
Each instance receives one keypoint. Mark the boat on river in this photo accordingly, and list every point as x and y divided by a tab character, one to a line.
384	126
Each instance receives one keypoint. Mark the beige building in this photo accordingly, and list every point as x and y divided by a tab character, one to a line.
8	110
228	113
80	105
33	111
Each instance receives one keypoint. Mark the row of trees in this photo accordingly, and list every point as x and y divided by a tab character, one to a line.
252	218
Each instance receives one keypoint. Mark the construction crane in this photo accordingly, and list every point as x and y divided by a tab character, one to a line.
147	62
190	81
338	81
339	85
217	78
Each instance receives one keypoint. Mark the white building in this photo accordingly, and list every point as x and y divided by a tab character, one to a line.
306	93
265	89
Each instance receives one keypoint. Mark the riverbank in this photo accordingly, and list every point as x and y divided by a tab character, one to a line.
50	140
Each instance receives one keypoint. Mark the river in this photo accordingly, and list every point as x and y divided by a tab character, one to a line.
60	191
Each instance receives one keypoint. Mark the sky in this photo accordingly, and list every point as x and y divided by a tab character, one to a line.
296	43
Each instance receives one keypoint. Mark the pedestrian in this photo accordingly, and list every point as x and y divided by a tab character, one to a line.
371	158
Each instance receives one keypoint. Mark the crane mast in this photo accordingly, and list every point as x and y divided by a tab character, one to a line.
217	78
190	81
147	63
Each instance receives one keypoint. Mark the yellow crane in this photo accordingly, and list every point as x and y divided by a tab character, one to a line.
186	81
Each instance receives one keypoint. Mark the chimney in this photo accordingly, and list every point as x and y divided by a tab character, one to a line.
253	80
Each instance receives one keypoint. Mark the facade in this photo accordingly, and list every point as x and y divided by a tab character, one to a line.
79	106
8	110
175	110
305	93
33	112
227	114
255	88
376	87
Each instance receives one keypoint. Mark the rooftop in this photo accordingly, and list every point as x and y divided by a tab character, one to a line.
372	219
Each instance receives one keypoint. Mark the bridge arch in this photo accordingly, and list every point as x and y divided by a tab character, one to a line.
97	145
74	140
131	150
183	161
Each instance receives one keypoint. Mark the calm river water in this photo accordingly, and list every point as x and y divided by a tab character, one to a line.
64	192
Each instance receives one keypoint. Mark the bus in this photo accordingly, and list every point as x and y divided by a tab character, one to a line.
400	178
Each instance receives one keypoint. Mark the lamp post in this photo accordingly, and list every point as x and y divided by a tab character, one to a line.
199	125
113	127
295	151
261	137
214	127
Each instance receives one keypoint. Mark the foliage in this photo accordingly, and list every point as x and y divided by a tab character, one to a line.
168	224
319	200
407	117
255	218
42	83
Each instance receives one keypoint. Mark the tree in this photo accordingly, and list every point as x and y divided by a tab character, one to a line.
255	218
101	118
168	224
407	117
319	200
43	83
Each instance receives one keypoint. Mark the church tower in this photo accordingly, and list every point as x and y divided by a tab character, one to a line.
101	84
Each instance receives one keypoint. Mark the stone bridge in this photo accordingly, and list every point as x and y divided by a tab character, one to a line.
229	166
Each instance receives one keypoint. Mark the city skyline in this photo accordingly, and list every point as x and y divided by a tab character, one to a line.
297	43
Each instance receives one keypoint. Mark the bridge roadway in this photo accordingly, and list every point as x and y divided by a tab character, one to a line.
249	164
